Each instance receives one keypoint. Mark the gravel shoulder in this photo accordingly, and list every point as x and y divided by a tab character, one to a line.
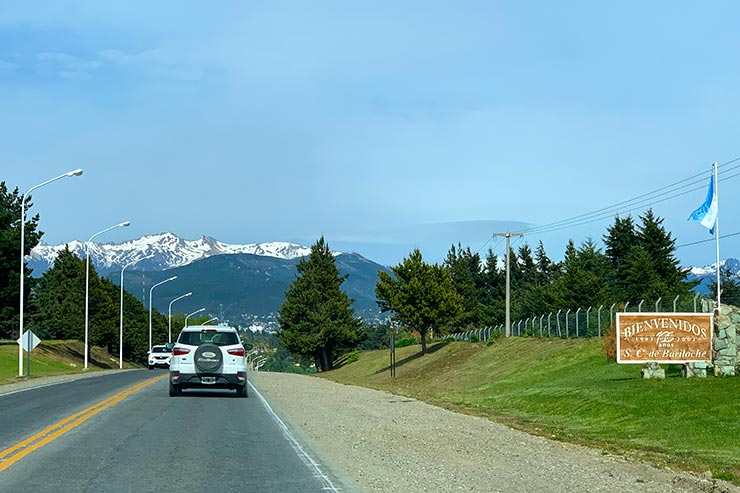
383	442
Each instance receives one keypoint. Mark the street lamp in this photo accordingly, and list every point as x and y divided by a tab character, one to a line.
87	281
150	306
120	328
191	314
76	172
169	314
210	320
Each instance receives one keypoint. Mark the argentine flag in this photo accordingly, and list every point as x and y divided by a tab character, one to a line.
707	213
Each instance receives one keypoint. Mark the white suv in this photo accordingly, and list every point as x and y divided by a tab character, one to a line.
159	356
209	356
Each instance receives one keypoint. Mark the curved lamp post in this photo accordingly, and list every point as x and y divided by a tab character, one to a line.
191	314
76	172
150	307
87	282
210	320
120	327
169	314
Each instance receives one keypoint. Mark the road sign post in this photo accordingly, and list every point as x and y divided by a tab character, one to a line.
28	341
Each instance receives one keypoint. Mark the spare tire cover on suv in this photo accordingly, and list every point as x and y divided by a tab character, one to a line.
208	358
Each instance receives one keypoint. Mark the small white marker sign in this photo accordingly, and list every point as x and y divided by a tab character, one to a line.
23	341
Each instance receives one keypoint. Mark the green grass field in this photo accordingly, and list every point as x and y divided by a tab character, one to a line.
567	390
52	358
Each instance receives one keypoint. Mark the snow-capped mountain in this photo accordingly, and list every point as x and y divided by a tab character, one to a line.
731	263
157	252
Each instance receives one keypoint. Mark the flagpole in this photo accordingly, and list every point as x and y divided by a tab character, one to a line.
716	233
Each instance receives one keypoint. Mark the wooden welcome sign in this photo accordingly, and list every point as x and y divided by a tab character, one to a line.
664	337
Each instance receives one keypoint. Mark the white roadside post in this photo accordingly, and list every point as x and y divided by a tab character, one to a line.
87	282
150	307
76	172
120	327
191	314
169	315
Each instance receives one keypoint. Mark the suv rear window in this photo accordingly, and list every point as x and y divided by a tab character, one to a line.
160	349
217	338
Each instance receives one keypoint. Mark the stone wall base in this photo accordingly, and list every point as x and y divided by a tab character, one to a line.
652	370
690	370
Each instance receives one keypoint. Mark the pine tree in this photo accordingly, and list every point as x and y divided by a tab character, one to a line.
465	270
730	286
619	239
660	246
10	244
317	317
421	296
584	279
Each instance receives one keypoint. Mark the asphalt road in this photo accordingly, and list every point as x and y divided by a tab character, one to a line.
122	432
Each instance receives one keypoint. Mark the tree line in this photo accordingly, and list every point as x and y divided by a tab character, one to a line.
55	301
638	262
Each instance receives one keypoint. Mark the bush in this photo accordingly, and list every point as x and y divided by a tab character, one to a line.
495	336
406	341
352	358
609	348
474	338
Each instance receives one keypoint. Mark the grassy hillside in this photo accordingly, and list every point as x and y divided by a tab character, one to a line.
53	358
566	389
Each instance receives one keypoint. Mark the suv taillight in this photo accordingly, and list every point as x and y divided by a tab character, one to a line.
179	351
236	352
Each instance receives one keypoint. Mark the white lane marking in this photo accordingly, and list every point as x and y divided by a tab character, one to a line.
304	456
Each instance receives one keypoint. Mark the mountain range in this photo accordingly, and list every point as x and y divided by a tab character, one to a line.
157	252
242	284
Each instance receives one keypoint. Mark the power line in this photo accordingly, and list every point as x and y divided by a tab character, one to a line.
635	203
708	240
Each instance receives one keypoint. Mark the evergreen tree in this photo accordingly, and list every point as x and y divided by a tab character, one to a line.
730	286
527	267
465	270
57	306
545	266
620	238
317	317
421	296
660	246
10	244
492	291
584	279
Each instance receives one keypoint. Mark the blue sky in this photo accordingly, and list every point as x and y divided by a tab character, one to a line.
382	125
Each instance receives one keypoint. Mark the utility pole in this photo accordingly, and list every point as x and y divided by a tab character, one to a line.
508	280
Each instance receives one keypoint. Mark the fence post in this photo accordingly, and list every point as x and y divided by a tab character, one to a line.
541	317
598	313
519	328
548	324
695	297
657	304
577	313
588	323
675	300
560	334
566	324
639	306
625	306
611	314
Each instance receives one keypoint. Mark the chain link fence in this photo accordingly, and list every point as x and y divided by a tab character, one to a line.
584	322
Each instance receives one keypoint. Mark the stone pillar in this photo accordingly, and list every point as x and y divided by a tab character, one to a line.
724	345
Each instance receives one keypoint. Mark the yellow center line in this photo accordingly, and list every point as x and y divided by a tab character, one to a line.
12	454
